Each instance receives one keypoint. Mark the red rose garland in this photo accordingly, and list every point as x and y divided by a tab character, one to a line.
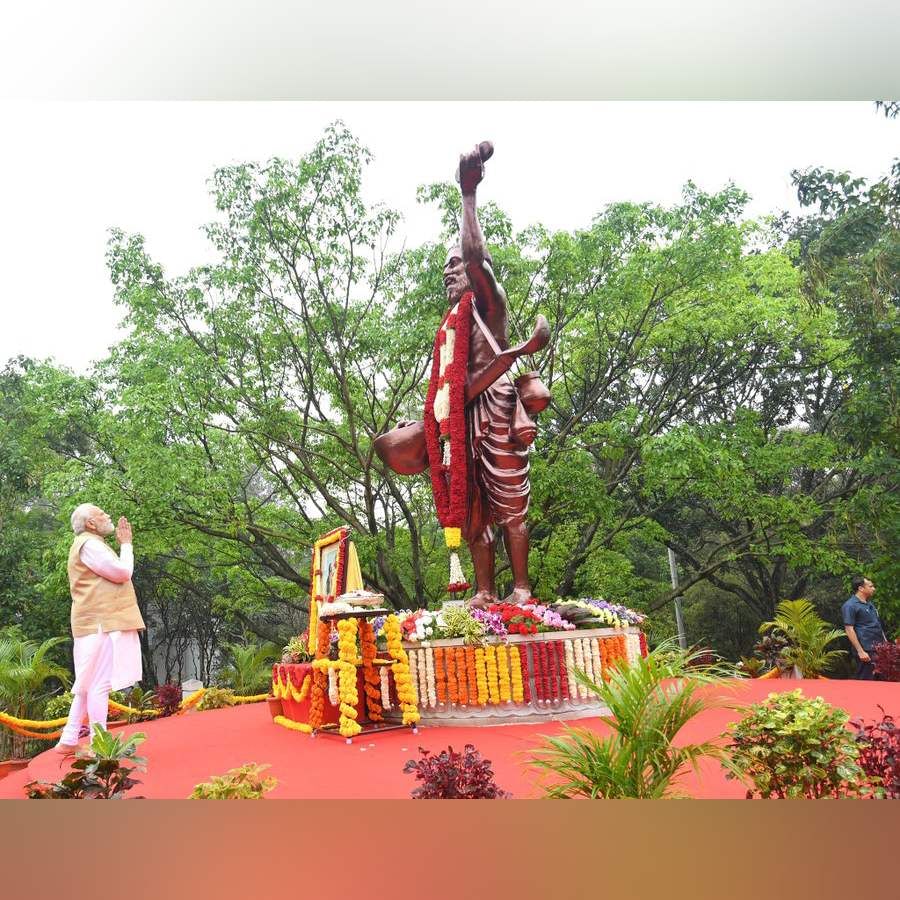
643	640
526	686
561	667
449	482
538	672
545	666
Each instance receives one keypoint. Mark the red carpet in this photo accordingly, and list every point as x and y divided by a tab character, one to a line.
184	751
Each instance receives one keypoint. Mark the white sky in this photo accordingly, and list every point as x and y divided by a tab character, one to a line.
73	170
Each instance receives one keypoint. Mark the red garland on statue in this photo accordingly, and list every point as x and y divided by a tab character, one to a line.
446	439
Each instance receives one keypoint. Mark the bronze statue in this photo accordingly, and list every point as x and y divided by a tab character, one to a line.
497	425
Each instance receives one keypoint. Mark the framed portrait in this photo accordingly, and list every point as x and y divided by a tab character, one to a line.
329	564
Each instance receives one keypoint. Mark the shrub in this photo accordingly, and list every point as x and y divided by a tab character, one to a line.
879	753
101	774
650	701
167	699
249	670
58	706
216	698
808	636
243	783
887	661
751	666
140	700
790	746
454	776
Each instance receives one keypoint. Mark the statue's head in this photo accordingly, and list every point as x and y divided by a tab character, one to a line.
456	280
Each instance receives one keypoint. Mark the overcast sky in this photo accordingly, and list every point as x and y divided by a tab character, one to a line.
73	170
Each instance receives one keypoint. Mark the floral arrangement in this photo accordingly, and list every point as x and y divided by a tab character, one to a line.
406	690
550	619
516	619
492	622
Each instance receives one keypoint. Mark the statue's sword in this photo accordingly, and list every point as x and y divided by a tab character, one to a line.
503	361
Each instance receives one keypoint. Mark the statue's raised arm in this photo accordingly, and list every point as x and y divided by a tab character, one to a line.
489	295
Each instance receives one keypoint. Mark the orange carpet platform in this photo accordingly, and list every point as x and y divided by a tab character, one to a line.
186	750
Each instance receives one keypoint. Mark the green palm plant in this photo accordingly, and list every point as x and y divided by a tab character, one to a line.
809	637
250	668
649	701
25	669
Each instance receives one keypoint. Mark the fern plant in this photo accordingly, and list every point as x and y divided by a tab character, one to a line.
808	636
250	668
650	701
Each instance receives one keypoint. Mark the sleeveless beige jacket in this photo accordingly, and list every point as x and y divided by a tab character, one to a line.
97	602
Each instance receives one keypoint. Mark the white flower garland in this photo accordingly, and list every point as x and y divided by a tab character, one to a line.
597	660
429	674
580	664
633	647
442	397
413	668
422	669
385	687
457	576
588	663
570	669
333	695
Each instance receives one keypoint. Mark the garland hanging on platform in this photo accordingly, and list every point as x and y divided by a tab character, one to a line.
406	690
481	677
440	675
445	430
429	674
320	678
503	674
450	667
349	695
490	655
559	646
526	681
515	674
472	675
370	676
462	684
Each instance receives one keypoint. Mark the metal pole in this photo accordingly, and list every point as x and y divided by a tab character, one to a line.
679	620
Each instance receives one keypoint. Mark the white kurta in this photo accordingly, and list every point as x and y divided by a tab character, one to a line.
107	661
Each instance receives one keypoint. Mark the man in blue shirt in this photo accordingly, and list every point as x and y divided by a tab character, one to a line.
862	625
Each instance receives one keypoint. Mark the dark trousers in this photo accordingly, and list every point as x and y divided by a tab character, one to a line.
865	671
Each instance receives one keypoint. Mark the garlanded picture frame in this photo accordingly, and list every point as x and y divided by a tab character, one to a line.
328	574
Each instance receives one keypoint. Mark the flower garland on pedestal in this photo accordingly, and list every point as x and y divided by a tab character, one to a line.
572	682
462	684
580	665
490	655
588	660
561	667
413	667
385	688
515	674
472	675
371	678
347	679
545	666
440	676
422	670
597	661
445	429
450	666
481	677
406	690
503	672
526	686
643	640
320	678
538	670
429	674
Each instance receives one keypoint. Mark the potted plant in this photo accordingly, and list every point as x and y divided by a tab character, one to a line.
807	636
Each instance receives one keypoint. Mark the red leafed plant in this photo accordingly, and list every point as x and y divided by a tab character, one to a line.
167	699
879	752
887	661
454	776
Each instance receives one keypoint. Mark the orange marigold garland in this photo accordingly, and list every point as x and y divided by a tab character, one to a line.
320	679
450	666
371	677
461	677
440	676
472	675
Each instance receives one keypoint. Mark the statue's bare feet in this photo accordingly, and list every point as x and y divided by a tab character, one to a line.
519	596
482	600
